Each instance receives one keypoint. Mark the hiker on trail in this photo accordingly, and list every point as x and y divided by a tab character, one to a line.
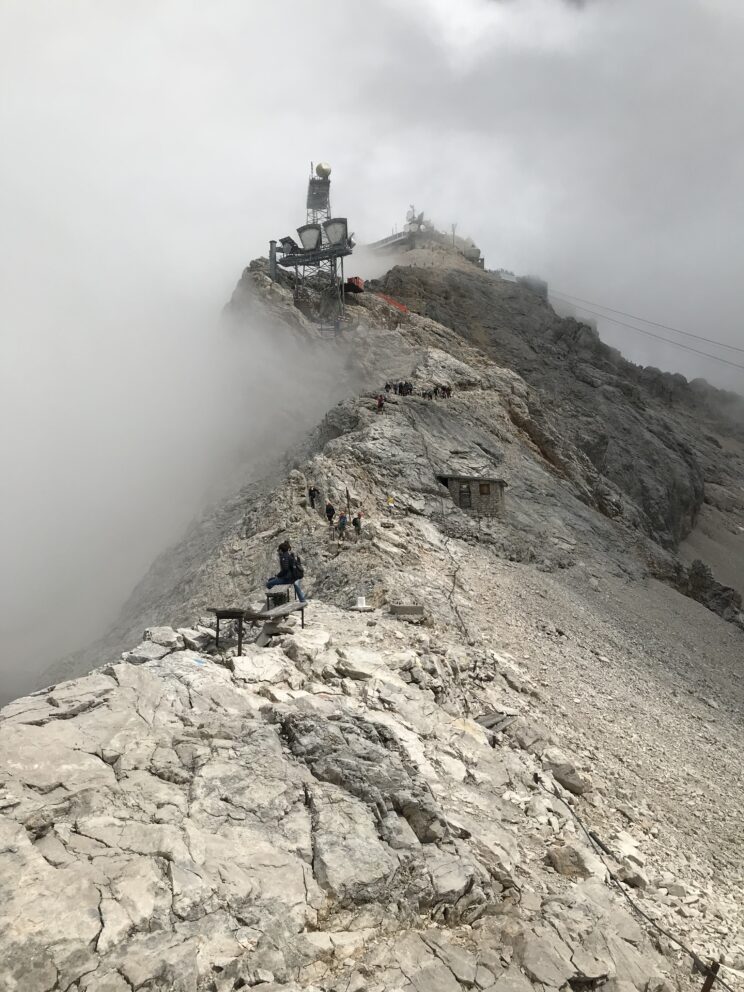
342	522
313	493
330	512
290	570
356	523
388	387
380	403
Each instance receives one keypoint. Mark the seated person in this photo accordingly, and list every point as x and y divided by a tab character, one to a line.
290	570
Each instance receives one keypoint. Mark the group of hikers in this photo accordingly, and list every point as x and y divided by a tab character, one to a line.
399	388
340	522
406	389
290	565
437	392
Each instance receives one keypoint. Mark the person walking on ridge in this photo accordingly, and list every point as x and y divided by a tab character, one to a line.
313	493
330	512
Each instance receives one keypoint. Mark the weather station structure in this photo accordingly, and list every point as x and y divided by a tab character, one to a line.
324	242
420	232
415	224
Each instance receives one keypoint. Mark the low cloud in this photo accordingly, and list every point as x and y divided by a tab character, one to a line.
121	430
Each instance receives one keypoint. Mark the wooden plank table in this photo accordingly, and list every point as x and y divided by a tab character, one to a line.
229	613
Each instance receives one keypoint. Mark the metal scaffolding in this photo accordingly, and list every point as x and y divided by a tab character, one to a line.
318	261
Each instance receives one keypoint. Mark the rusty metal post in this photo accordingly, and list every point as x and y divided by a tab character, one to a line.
272	260
711	976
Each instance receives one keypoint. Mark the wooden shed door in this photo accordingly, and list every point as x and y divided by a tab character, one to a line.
465	501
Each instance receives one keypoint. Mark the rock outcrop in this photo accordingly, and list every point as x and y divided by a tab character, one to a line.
198	821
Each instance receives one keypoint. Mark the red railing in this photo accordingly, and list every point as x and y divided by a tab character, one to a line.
394	303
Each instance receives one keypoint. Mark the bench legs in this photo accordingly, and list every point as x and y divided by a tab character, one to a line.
240	634
272	599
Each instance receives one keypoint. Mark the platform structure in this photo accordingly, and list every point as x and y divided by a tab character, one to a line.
318	258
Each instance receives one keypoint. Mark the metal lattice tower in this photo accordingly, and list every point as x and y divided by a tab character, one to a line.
319	194
325	241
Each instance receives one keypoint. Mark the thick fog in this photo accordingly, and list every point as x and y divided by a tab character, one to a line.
150	150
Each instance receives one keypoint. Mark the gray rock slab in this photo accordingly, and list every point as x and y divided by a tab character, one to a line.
545	959
513	981
167	637
196	640
146	651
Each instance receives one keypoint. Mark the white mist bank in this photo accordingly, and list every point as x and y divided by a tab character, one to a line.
119	424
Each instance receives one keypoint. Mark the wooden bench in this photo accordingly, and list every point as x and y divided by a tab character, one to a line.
270	617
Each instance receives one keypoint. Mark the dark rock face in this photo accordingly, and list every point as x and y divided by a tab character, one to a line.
638	429
365	761
698	582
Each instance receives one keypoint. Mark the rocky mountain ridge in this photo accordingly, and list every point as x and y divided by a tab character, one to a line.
661	463
638	427
355	807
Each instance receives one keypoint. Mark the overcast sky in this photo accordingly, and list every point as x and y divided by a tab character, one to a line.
151	148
